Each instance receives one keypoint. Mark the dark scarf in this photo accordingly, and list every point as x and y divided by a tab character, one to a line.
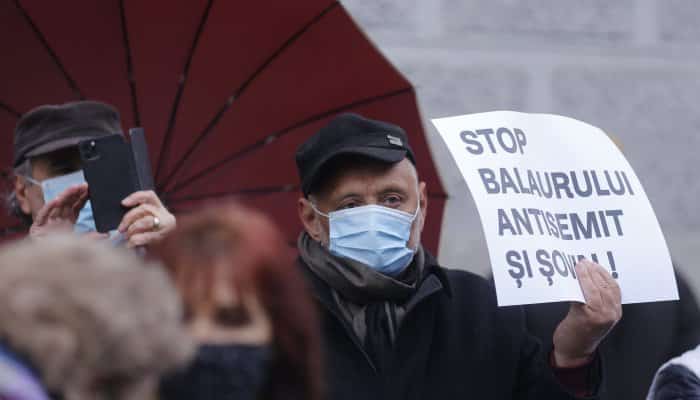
357	282
371	302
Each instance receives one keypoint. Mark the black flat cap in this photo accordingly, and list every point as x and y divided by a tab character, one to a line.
53	127
350	134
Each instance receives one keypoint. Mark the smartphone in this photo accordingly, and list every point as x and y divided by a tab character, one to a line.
114	169
109	171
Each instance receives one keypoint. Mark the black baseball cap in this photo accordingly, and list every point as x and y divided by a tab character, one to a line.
50	127
350	134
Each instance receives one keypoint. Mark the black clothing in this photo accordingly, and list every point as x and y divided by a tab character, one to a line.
453	343
648	335
677	382
349	134
220	372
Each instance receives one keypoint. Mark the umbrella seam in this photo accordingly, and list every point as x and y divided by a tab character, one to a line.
10	110
253	191
129	64
39	35
278	134
181	88
261	191
240	90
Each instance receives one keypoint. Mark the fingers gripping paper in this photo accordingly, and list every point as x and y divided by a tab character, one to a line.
551	190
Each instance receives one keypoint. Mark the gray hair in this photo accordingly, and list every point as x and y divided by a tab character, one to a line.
11	202
91	318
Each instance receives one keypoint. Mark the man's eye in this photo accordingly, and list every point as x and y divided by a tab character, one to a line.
351	204
393	201
64	170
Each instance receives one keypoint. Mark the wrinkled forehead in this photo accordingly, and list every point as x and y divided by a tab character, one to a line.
366	176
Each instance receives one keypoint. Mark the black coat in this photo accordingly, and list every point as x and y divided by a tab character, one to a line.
676	382
648	335
454	343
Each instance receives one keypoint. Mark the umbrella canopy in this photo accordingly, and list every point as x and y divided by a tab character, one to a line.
225	90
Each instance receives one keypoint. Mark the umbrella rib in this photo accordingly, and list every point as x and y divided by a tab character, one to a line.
129	64
73	85
259	191
7	108
180	89
274	136
253	191
282	48
240	90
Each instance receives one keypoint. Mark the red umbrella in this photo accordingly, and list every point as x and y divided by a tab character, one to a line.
226	90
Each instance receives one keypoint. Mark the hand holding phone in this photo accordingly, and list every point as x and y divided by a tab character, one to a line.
114	169
147	221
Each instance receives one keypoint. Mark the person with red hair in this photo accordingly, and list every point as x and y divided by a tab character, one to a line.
247	306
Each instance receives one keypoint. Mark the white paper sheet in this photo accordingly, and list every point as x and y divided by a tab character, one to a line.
550	189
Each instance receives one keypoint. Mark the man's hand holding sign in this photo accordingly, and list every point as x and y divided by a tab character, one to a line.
565	219
578	335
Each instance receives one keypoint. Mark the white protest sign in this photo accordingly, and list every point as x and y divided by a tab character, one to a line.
551	190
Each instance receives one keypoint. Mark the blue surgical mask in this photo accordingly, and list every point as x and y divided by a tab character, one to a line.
373	235
53	187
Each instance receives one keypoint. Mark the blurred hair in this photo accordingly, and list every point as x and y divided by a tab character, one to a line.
95	321
260	262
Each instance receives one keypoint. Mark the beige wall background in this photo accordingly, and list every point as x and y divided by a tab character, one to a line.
630	67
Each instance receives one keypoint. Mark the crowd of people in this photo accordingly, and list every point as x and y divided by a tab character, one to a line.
216	305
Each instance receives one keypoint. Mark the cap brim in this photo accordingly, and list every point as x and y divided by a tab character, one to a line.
390	156
57	145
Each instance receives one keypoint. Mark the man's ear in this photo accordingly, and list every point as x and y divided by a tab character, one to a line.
309	219
21	189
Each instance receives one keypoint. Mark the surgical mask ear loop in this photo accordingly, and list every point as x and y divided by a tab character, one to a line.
415	214
31	180
35	182
317	211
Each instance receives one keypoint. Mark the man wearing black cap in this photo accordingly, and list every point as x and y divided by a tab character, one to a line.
397	325
49	188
